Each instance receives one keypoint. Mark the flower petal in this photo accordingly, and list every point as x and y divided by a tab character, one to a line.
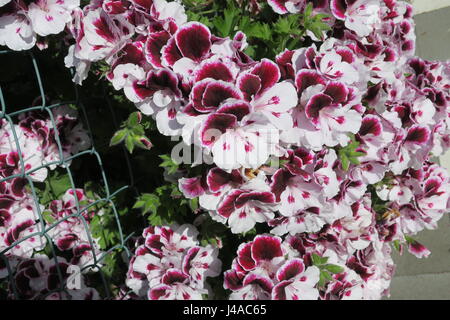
194	40
265	248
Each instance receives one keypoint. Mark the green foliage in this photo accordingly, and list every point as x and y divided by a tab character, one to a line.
104	227
109	264
326	269
315	23
56	184
166	205
169	164
211	231
348	154
318	260
47	215
225	25
148	203
333	268
133	133
267	33
397	245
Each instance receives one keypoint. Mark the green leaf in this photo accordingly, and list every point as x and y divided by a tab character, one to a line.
397	245
345	162
118	137
54	187
334	268
409	239
133	119
322	280
166	205
147	202
194	16
169	163
348	154
283	25
316	260
129	143
48	217
59	184
308	10
193	203
258	30
138	130
323	260
327	276
225	24
356	153
155	220
353	160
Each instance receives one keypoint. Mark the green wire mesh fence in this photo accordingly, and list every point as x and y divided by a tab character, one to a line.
105	200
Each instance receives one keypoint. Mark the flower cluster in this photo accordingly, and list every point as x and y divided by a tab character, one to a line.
59	138
169	264
264	270
416	200
342	119
351	121
362	93
21	22
72	230
31	147
269	268
19	221
360	17
43	278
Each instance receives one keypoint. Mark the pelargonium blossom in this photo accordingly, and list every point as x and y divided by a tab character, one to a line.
353	121
21	21
72	232
31	147
262	272
169	264
38	278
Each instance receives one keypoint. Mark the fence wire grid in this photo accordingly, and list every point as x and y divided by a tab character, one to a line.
106	200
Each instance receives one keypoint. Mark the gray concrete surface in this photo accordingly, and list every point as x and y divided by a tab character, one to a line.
433	34
429	286
428	278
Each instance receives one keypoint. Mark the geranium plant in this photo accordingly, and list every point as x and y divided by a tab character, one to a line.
296	143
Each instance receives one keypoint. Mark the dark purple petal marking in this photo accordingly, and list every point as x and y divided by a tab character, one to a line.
194	40
250	85
268	72
155	42
418	135
290	269
237	108
338	8
216	124
216	92
317	103
370	125
216	70
245	257
266	248
306	78
338	91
